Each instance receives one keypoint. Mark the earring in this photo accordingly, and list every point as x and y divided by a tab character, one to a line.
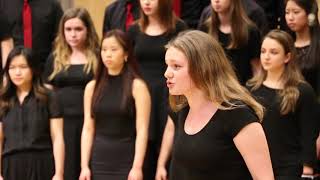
311	19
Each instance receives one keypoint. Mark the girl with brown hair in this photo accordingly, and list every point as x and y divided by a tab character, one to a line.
290	121
240	38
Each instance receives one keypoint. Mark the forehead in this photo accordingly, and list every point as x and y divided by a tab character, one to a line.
110	41
293	5
20	59
271	44
175	55
74	22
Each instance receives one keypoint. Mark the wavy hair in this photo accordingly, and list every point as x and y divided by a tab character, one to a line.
62	51
291	76
211	72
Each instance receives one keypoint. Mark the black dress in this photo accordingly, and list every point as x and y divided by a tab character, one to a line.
150	54
211	153
69	86
310	73
27	146
291	137
115	134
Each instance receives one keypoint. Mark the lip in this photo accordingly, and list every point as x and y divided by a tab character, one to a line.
108	61
146	9
291	24
170	84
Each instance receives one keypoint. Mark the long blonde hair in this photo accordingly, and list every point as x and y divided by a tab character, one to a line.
62	50
240	25
291	76
211	71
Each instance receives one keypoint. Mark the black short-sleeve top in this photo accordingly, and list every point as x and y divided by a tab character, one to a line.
210	153
26	126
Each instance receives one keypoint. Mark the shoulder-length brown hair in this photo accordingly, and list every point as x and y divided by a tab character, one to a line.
211	72
8	90
240	24
62	51
165	14
291	76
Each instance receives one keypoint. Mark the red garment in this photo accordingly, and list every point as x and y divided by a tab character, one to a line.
177	7
27	24
129	18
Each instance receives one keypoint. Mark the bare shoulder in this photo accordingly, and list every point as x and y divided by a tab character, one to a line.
90	85
139	86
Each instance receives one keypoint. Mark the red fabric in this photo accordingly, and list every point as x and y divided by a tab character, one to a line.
177	7
129	18
27	24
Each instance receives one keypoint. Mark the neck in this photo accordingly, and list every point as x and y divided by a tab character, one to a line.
153	20
198	101
23	90
224	18
273	78
114	72
303	37
77	50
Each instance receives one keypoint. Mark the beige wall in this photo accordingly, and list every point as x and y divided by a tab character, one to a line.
96	9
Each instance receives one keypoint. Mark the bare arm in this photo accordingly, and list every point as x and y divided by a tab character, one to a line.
56	130
143	107
252	144
165	151
6	47
88	132
1	149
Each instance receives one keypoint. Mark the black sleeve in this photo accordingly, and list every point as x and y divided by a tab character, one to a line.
238	118
5	28
254	43
308	114
53	103
48	69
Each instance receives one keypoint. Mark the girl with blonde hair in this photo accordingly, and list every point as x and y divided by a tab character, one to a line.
214	131
68	70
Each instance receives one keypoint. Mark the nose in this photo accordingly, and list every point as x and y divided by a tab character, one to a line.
168	74
265	56
73	33
290	16
145	2
17	71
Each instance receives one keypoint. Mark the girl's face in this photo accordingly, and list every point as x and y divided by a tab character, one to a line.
179	81
149	7
19	72
75	33
273	57
113	55
296	17
221	6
